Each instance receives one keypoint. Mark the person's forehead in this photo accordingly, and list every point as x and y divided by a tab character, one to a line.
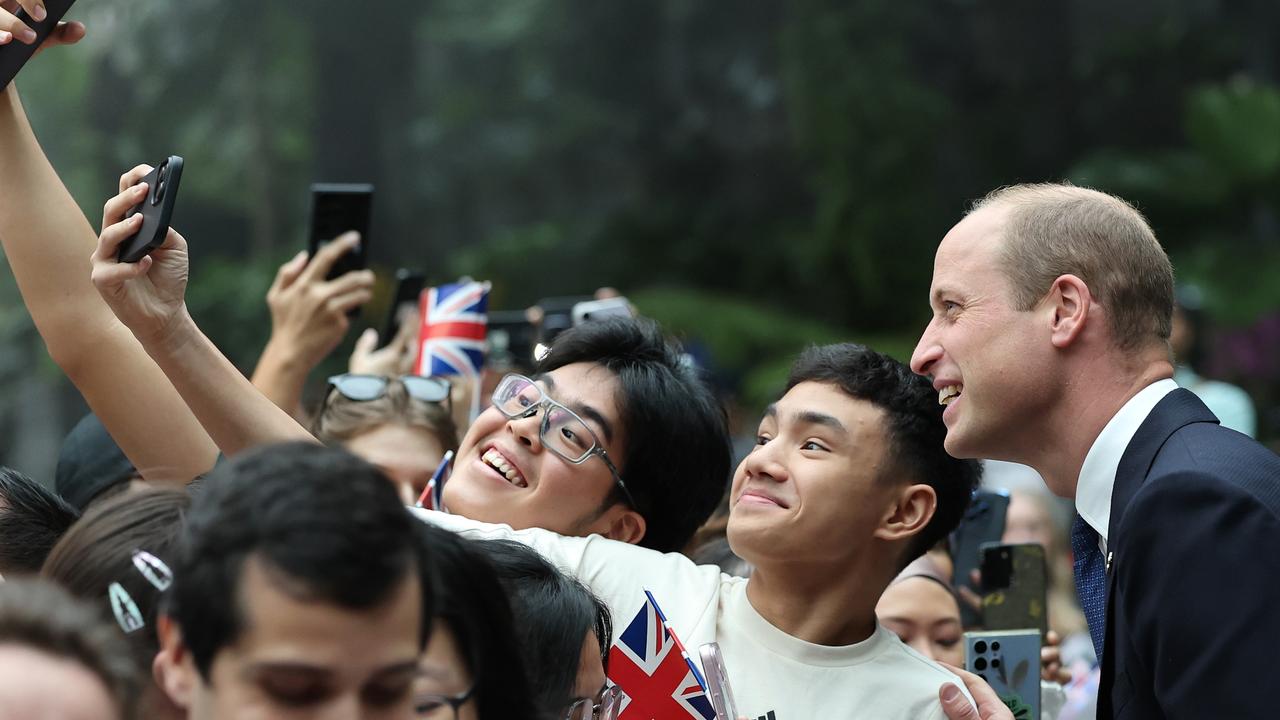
813	402
973	241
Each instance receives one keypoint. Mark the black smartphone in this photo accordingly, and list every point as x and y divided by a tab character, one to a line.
16	54
336	209
404	303
509	340
156	209
1014	586
982	523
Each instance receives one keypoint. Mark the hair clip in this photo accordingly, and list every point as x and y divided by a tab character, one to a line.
153	569
125	609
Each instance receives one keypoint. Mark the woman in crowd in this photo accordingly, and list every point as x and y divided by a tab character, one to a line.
117	558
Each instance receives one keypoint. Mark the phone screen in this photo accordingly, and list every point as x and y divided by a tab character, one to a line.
336	209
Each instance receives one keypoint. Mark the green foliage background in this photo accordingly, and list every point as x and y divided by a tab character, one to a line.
759	175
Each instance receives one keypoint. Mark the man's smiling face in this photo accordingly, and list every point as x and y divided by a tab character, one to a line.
987	358
504	474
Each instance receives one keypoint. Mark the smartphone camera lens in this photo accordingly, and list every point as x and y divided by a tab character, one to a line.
980	664
162	178
995	647
980	646
995	663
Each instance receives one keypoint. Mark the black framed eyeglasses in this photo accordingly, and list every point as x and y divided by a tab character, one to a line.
562	431
608	707
364	388
435	706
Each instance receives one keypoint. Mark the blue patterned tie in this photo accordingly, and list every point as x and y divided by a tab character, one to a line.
1091	580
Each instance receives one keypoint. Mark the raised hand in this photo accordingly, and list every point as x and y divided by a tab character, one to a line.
147	296
12	29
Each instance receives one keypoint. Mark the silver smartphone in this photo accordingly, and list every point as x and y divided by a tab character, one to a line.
718	682
1009	660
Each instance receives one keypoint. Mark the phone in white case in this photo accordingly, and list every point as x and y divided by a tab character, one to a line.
718	689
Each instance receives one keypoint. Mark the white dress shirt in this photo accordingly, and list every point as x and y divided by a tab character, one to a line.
1098	473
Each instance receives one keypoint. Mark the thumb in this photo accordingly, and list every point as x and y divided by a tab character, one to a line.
366	343
955	705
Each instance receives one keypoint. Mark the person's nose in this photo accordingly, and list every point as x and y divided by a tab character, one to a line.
928	351
764	463
526	428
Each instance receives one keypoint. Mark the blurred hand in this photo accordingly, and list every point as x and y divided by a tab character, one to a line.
309	313
391	361
1051	669
147	296
957	707
11	28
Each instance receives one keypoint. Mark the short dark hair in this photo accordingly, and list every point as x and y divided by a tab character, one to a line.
553	614
326	520
99	550
678	455
39	615
913	428
474	605
31	521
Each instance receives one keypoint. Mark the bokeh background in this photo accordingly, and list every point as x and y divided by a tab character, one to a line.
757	175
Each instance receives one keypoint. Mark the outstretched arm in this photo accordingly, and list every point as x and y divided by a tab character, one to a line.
148	297
47	241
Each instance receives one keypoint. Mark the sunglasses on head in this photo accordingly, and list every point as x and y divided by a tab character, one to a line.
363	388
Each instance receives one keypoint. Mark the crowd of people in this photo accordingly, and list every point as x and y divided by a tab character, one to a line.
214	549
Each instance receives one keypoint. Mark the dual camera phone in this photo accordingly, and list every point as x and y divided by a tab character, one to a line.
156	210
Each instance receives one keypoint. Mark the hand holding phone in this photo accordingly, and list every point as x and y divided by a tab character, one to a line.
26	34
156	210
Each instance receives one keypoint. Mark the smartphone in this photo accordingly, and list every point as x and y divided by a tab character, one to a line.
1014	587
600	309
336	209
509	340
718	689
557	316
1009	660
982	523
404	303
16	54
156	209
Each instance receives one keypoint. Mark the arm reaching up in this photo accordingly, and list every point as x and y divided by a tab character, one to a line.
48	241
148	297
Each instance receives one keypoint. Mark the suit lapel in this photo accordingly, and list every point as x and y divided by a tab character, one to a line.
1175	411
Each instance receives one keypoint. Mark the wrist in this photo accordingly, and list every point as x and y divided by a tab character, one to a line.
171	336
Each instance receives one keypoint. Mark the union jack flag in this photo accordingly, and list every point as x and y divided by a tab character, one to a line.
658	680
454	320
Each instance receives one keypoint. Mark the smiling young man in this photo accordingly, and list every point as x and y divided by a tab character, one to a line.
848	482
299	593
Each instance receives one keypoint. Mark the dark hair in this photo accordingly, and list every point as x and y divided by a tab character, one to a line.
40	615
474	605
91	465
553	614
326	520
678	453
913	428
31	521
99	551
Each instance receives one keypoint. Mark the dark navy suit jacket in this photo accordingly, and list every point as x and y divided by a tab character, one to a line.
1193	611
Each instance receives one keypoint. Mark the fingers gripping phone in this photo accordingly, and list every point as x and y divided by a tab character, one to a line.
1014	587
156	210
16	53
409	286
1009	660
336	209
718	682
982	523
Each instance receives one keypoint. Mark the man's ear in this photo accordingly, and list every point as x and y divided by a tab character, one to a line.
173	668
911	511
621	523
1069	305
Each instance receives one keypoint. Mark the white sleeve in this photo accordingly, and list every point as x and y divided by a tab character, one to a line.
617	572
